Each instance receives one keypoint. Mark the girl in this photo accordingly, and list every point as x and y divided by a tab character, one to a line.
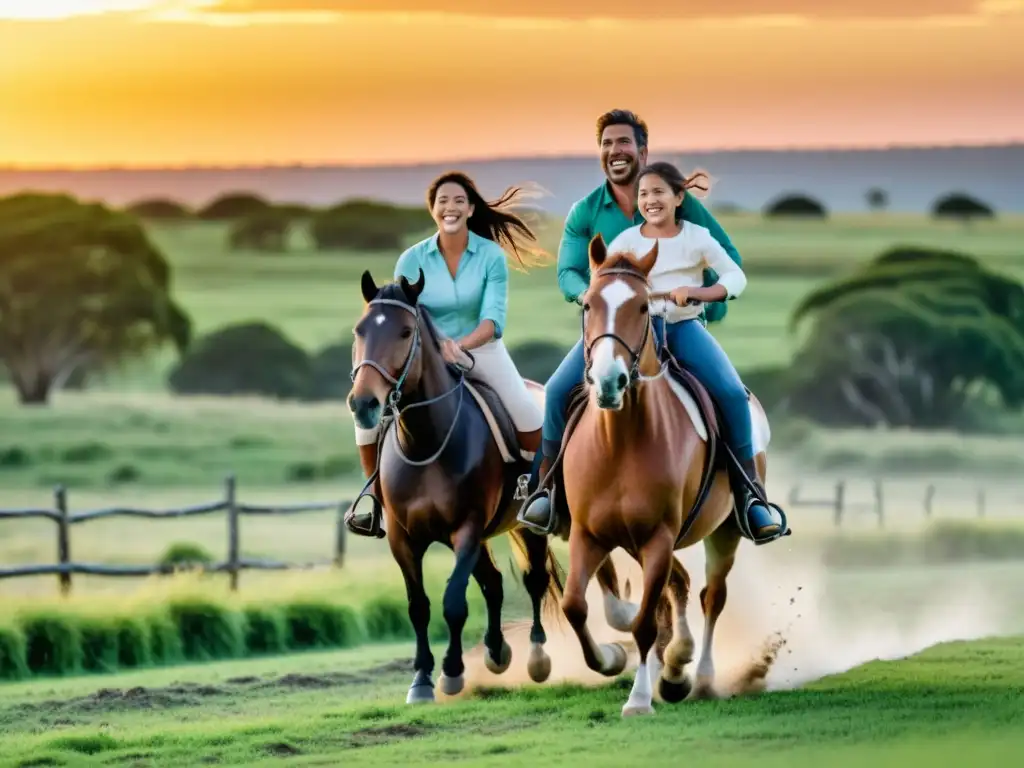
684	251
466	294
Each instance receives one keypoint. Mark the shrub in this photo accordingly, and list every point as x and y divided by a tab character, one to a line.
13	654
330	374
134	645
159	209
796	206
265	630
208	629
185	555
367	225
961	206
315	624
537	360
265	230
387	618
100	640
233	205
245	358
53	643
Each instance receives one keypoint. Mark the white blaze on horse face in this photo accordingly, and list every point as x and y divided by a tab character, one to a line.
379	319
607	366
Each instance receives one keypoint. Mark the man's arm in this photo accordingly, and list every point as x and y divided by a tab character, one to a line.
573	254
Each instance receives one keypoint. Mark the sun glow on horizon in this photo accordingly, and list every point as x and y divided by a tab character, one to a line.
64	9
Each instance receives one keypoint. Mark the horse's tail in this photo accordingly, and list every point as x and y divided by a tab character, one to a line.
552	604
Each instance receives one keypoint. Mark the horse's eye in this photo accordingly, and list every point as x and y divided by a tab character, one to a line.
586	307
406	333
644	309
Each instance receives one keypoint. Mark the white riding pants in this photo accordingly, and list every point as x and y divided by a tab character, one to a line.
494	367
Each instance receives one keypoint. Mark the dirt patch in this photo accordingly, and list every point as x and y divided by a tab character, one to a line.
282	749
367	737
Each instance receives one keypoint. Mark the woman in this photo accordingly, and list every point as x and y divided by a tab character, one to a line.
466	294
685	249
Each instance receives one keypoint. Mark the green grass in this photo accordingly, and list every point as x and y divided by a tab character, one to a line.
951	704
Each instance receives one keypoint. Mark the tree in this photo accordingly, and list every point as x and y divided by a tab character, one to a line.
263	231
367	225
961	206
877	199
81	285
797	206
251	358
159	209
908	340
233	205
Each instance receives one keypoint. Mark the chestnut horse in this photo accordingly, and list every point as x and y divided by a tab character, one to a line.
443	479
635	476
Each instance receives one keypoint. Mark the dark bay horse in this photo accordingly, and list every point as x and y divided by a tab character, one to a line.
442	479
635	477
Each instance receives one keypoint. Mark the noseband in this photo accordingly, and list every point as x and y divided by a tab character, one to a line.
395	395
634	369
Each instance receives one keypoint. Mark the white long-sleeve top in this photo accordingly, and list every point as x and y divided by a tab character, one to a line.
681	262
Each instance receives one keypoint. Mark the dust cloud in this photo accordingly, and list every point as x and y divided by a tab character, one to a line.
789	620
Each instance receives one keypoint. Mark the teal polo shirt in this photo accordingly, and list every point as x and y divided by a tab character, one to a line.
598	213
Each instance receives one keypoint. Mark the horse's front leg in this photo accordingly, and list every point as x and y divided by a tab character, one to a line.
410	560
585	557
466	543
618	613
497	652
656	561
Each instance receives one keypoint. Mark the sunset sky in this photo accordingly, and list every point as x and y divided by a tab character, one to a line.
222	82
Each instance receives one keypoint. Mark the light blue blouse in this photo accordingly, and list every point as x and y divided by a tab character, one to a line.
479	291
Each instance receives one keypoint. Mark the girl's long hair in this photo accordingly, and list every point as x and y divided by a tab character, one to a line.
495	220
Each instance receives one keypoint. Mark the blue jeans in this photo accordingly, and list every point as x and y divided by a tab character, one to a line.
696	350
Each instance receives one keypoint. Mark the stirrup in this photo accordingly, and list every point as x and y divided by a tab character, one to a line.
743	521
540	530
374	531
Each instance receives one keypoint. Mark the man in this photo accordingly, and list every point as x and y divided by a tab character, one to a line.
609	210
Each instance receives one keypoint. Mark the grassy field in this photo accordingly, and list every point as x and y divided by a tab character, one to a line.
956	703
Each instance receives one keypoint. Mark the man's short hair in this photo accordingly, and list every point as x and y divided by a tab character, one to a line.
624	117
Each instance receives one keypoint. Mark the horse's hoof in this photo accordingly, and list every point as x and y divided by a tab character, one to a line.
539	664
632	708
452	686
614	658
420	693
704	689
497	667
672	692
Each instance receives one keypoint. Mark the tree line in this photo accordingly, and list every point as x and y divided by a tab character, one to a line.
916	337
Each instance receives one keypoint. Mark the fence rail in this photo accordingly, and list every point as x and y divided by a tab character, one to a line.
841	506
233	565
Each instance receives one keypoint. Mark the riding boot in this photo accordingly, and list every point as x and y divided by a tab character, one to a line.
763	522
538	514
363	518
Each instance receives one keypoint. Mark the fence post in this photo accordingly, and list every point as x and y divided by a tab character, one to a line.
229	490
340	537
929	497
879	504
60	497
840	493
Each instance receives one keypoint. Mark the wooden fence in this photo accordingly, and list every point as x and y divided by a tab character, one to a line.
840	505
65	567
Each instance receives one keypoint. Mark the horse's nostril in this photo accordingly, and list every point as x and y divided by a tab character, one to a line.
623	381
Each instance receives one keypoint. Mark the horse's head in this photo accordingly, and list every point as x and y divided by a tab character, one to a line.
616	320
384	351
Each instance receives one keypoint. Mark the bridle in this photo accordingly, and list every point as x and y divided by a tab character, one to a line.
395	395
634	369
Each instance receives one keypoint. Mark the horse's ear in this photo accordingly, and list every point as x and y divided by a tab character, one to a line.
598	250
646	263
369	287
412	291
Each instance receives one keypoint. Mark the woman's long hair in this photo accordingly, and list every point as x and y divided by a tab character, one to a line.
698	180
495	220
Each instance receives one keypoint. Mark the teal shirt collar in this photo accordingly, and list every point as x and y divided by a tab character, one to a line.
472	246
